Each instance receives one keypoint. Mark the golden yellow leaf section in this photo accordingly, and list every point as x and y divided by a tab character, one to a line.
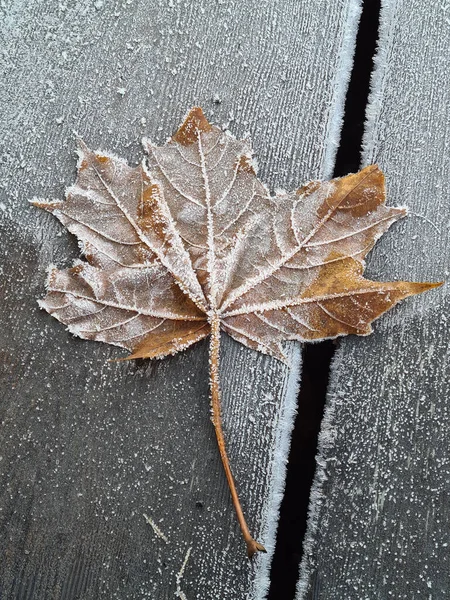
175	336
194	124
359	193
344	302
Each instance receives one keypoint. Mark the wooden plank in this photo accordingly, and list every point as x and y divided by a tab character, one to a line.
379	509
88	446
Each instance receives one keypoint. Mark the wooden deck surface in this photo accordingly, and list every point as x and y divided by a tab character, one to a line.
379	524
88	446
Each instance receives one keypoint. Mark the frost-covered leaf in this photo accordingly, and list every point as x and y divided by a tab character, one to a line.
190	243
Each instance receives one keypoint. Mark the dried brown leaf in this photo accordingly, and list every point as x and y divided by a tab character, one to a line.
190	243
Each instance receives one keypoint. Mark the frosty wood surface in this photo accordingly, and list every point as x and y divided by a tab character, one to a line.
88	446
380	511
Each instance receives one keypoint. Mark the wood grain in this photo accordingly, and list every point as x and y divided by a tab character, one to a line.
88	446
379	512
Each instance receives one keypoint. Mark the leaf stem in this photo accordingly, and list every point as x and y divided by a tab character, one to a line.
252	545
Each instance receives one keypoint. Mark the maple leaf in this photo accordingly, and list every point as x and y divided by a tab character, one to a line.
190	243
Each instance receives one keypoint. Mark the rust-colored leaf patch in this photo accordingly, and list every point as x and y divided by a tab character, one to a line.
190	244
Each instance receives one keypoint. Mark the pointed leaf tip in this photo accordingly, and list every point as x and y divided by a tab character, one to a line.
49	205
420	287
194	123
81	144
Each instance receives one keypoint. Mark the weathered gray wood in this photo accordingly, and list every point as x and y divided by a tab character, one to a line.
379	510
89	446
